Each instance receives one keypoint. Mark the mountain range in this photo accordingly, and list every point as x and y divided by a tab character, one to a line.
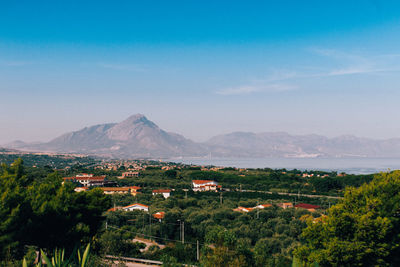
138	137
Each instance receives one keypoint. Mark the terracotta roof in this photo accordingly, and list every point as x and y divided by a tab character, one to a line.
114	188
136	204
307	206
159	215
243	209
162	191
134	187
125	188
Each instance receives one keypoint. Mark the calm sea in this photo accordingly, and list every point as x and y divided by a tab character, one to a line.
348	165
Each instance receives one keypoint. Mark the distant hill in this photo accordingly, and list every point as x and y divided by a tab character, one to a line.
281	144
138	137
133	137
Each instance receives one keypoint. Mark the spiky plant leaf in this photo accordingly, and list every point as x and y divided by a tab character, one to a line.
46	259
85	256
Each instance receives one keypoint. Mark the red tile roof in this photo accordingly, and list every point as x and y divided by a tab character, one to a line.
136	204
162	191
125	188
159	215
243	209
134	187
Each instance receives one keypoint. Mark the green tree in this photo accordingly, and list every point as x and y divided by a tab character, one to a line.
362	230
223	252
45	213
171	173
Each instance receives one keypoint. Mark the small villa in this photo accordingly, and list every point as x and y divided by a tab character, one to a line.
136	206
166	193
205	185
87	180
133	190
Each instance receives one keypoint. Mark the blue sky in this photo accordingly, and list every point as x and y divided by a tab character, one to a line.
200	68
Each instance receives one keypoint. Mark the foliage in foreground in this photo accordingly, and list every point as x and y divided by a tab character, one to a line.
58	259
45	214
362	230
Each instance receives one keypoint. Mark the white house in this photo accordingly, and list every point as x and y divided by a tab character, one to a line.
136	206
166	193
205	185
87	179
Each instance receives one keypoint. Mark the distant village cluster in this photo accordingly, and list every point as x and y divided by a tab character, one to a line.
132	169
86	181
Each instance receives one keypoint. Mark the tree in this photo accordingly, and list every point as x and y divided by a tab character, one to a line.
362	230
45	213
171	173
224	251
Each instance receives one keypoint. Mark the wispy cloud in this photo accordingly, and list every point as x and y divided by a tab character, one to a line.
124	67
348	64
249	89
354	70
338	63
359	64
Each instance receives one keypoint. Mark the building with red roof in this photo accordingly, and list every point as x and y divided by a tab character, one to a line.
136	206
243	209
205	185
133	190
87	180
159	215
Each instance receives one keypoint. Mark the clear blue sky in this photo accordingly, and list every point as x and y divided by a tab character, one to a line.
200	68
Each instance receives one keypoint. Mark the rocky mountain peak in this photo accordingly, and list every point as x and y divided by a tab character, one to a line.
136	118
131	127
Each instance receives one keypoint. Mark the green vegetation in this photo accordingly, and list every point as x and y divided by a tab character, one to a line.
362	230
261	237
58	259
38	212
279	180
45	214
49	161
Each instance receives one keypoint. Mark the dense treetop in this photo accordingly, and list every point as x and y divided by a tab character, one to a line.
362	230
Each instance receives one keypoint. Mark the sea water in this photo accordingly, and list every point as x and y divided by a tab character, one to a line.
348	165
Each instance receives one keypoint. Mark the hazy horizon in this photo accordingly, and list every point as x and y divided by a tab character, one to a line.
200	69
207	138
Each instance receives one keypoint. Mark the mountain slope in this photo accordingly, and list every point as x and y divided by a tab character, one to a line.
137	137
280	144
133	137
